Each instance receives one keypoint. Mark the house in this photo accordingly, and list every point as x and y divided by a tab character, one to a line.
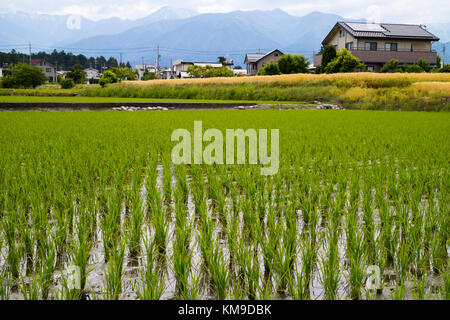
377	43
92	73
1	72
180	67
256	61
48	69
142	67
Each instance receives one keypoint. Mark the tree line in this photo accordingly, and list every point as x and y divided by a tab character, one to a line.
63	60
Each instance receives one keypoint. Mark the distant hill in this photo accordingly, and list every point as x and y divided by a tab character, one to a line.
51	30
180	34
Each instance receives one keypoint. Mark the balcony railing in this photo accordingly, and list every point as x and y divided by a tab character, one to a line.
389	50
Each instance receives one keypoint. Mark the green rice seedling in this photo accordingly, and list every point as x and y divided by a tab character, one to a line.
110	225
330	264
5	285
48	254
135	223
445	291
420	287
159	224
30	288
400	290
80	251
308	257
114	273
356	254
167	180
182	261
218	270
153	285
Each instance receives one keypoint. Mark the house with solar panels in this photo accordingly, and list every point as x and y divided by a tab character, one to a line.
377	43
256	61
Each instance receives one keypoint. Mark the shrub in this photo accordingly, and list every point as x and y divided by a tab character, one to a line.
270	69
423	64
445	68
209	72
329	53
24	76
77	74
108	77
148	75
413	68
67	83
344	62
391	66
290	63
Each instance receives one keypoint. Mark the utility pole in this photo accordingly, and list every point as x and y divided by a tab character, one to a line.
30	52
443	58
157	62
56	72
120	65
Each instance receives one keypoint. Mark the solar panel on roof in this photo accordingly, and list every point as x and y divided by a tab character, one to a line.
364	27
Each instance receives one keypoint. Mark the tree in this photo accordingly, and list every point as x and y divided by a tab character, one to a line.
67	83
125	73
209	72
237	68
292	63
148	75
445	68
328	54
270	69
77	74
24	76
391	66
423	64
438	61
222	60
344	62
413	68
108	77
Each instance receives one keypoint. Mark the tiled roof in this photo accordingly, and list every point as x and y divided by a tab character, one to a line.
384	30
255	57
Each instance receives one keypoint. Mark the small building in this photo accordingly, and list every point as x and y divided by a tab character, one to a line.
92	73
240	72
141	68
256	61
48	69
180	67
377	43
1	72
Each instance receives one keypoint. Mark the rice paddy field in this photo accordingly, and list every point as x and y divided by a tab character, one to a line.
97	192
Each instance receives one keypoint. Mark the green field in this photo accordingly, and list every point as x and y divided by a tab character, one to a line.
96	191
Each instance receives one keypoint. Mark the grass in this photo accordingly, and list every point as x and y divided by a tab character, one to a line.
52	99
98	191
425	92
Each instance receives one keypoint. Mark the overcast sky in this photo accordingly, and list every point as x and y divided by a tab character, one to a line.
404	11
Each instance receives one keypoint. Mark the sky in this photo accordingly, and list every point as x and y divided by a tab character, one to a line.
394	11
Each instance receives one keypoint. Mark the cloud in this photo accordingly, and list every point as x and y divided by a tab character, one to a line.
413	11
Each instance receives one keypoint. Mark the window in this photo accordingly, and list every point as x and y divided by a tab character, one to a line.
390	46
349	45
370	68
372	46
340	34
48	70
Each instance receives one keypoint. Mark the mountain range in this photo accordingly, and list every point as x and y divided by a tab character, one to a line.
179	33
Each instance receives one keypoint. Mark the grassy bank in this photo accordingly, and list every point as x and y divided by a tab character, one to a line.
428	92
81	99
